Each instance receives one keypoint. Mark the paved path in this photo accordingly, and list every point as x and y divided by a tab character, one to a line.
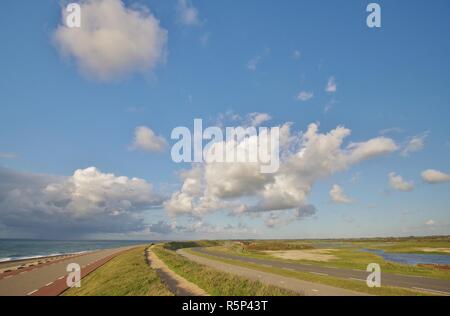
177	284
46	278
299	286
434	286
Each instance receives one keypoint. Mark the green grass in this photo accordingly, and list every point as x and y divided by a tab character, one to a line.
128	274
175	245
353	285
349	256
213	281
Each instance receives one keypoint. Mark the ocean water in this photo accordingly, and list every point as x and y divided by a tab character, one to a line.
412	258
16	249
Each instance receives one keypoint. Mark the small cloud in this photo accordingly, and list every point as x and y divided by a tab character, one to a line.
435	176
253	63
391	130
256	119
330	104
4	155
414	144
430	222
397	182
337	195
296	54
305	96
145	139
331	85
187	14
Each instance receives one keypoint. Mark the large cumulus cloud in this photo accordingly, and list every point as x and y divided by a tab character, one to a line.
89	201
113	40
306	157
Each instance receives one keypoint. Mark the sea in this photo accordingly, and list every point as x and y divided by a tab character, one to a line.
20	249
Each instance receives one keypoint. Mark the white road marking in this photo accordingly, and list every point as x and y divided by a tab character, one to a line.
32	292
318	273
314	290
432	291
358	279
48	284
60	278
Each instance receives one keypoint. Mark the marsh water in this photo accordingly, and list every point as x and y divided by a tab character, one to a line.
412	258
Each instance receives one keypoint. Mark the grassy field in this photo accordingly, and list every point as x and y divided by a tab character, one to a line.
128	274
328	280
348	253
212	281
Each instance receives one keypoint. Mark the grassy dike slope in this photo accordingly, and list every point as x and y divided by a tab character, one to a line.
128	274
213	281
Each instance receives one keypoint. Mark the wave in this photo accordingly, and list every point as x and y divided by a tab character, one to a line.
11	259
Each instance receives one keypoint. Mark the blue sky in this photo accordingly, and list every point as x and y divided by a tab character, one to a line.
246	57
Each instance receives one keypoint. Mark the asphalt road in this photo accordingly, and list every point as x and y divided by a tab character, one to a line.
301	287
412	282
29	282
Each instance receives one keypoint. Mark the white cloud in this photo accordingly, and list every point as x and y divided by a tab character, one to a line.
89	201
187	14
397	182
5	155
414	144
331	85
145	139
230	118
296	54
305	96
256	119
337	195
113	40
252	63
430	222
240	187
435	176
391	130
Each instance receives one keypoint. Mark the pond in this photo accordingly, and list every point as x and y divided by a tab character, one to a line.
412	258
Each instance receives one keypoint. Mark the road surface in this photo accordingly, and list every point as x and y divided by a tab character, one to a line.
41	279
296	285
434	286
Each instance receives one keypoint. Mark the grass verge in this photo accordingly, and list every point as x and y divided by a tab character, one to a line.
348	259
128	274
354	285
215	282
